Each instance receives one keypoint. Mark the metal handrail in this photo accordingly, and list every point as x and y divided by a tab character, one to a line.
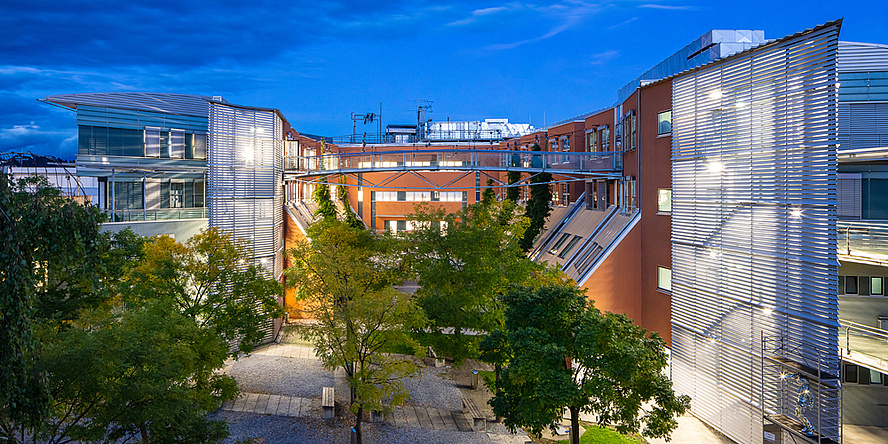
867	331
459	158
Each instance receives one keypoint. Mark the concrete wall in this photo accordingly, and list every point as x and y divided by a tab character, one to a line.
865	405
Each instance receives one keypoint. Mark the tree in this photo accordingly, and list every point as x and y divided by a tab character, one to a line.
462	270
51	255
538	208
146	372
488	197
513	193
567	354
84	354
346	276
209	279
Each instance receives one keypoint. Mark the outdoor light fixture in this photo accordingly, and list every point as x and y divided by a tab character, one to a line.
796	213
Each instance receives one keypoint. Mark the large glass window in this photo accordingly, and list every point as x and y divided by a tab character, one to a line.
101	141
874	205
664	278
664	122
198	193
128	196
664	200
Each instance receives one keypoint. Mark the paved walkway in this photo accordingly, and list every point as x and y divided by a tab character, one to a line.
416	417
286	351
406	416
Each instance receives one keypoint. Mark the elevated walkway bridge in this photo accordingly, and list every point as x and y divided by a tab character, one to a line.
564	166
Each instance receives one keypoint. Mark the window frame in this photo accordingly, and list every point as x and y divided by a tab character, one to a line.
662	134
659	283
660	209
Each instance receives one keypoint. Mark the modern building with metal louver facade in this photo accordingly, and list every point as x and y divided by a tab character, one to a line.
754	264
175	164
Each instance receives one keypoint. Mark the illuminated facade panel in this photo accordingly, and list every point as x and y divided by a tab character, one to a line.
753	230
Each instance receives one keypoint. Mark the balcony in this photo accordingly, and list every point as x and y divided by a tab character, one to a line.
156	215
864	345
866	240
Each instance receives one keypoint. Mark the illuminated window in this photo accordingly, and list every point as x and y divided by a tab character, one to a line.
664	122
664	279
664	200
876	286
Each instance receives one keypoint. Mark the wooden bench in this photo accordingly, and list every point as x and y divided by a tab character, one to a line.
479	421
327	404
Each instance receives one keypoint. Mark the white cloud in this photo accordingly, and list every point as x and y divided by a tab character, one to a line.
667	7
602	57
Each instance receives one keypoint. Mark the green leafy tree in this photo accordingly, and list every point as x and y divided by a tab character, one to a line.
147	373
488	196
209	279
462	270
567	354
346	276
51	256
59	280
513	193
538	208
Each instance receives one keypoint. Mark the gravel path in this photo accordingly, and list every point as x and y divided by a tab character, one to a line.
432	388
281	376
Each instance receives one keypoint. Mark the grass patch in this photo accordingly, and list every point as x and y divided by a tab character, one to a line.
604	435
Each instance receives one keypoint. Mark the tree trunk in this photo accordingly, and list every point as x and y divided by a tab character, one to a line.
358	424
574	425
144	431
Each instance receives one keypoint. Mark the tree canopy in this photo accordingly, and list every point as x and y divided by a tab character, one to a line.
537	209
209	278
89	353
463	262
567	354
346	276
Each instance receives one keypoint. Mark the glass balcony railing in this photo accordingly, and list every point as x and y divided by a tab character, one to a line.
459	159
864	344
155	215
868	239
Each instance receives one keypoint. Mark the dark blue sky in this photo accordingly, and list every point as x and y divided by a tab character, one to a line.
320	61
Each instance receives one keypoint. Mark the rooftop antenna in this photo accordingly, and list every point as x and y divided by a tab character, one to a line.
424	107
367	118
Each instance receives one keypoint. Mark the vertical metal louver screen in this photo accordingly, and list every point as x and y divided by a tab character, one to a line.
753	223
245	189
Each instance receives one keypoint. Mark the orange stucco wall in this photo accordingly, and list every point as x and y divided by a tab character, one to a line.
292	235
615	286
